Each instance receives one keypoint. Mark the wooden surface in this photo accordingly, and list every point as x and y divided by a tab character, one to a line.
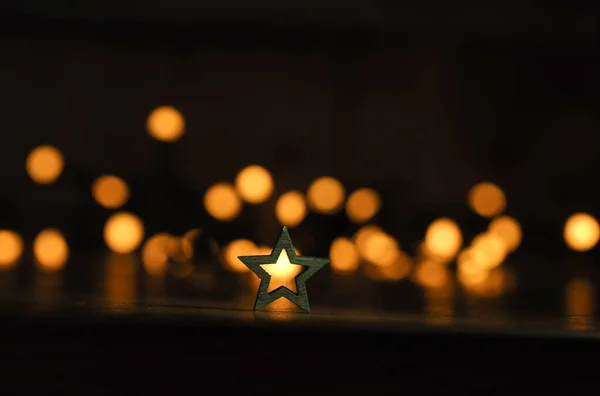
169	350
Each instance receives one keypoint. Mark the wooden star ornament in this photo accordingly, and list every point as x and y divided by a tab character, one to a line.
283	273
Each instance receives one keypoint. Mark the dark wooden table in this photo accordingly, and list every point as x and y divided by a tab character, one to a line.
89	350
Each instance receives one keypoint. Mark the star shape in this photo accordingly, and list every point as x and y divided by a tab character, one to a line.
265	266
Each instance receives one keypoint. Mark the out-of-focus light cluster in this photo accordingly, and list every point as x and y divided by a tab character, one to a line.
123	232
50	249
166	124
44	164
11	248
581	232
487	199
377	253
110	191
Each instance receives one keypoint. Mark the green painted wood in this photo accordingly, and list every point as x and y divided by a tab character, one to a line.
311	266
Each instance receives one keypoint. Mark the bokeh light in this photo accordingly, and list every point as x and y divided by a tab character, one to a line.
326	195
44	164
487	199
222	202
123	232
397	270
379	248
431	274
263	251
362	205
50	250
110	191
166	124
155	254
239	247
344	256
488	250
495	283
509	230
443	238
470	272
254	184
361	236
581	232
290	208
11	248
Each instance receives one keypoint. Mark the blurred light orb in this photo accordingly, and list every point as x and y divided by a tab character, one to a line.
155	254
263	251
362	205
443	238
400	269
470	272
44	164
326	195
487	199
11	248
581	232
362	235
344	256
239	247
166	124
254	184
489	250
123	232
380	249
222	202
431	274
110	191
290	208
50	249
509	230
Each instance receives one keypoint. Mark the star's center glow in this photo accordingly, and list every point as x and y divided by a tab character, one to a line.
283	273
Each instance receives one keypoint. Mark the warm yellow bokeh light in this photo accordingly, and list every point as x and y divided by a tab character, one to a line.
379	248
581	232
110	191
166	124
470	271
443	238
398	270
431	274
44	164
123	232
254	184
263	251
11	248
509	230
487	199
326	195
344	256
222	202
362	205
240	247
283	273
50	250
155	255
290	208
489	249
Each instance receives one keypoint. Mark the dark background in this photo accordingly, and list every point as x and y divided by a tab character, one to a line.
419	101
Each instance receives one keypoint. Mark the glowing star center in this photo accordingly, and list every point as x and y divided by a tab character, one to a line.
283	273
